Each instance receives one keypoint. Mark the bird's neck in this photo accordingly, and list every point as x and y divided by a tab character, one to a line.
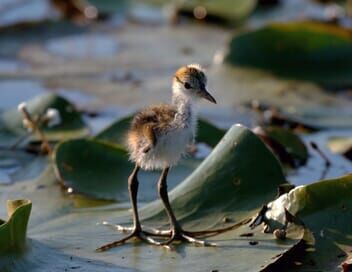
185	115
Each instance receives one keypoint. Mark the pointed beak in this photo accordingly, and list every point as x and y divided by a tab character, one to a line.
204	93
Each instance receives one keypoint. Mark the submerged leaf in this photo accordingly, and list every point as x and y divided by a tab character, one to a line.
13	232
303	50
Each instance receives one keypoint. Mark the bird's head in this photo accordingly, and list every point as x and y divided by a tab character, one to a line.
191	81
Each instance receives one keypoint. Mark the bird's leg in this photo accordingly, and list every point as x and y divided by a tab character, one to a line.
177	233
136	230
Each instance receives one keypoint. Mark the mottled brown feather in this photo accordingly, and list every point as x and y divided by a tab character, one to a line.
149	123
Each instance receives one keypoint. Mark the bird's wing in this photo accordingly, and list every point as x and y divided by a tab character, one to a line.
158	115
152	121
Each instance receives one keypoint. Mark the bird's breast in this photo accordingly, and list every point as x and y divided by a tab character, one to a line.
175	141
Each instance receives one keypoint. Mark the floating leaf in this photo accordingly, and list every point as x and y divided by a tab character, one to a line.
116	132
100	170
93	168
325	208
59	230
13	232
71	125
301	50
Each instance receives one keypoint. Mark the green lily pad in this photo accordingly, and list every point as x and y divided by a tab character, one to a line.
300	50
13	232
209	133
231	11
65	237
96	169
71	125
115	133
100	170
325	208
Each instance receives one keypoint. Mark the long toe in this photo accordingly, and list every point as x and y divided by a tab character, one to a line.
118	228
146	230
116	243
135	234
197	242
182	236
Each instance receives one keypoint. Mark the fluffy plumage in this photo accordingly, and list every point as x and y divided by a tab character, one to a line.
160	134
158	137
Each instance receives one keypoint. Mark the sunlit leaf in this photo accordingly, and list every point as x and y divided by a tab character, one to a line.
325	208
13	231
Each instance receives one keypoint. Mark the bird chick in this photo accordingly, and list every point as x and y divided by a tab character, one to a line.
160	134
157	138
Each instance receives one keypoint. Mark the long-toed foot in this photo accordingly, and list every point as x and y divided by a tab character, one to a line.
168	233
156	232
146	230
135	234
179	235
144	235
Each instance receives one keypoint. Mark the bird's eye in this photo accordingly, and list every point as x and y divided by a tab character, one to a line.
187	85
